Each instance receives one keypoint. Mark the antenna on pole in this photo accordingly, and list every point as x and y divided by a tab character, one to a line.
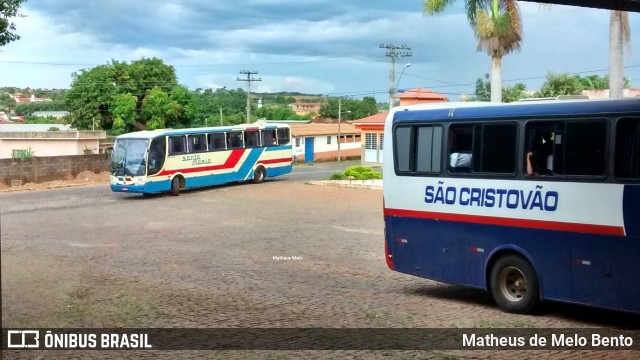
249	80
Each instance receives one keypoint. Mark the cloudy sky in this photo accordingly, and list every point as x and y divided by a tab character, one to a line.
312	46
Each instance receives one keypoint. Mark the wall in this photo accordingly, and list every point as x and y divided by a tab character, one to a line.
50	168
349	148
50	143
47	147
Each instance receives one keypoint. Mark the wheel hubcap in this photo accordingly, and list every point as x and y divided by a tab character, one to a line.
513	284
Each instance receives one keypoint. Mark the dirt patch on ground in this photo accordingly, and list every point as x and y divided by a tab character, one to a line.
83	178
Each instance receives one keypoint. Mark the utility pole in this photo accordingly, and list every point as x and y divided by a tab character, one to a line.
339	121
394	52
249	80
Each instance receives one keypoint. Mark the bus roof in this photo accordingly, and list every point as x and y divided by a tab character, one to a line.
487	110
150	134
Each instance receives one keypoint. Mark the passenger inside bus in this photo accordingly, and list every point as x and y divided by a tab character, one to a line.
539	157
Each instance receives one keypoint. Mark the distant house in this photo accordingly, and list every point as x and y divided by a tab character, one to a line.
19	98
420	96
319	142
305	108
372	131
604	94
17	140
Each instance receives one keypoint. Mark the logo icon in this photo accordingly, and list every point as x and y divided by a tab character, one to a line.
23	339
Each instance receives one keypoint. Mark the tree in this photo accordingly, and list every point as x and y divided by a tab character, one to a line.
619	35
6	101
352	109
158	110
514	93
124	112
30	108
560	84
595	82
497	27
186	103
8	10
279	113
483	89
509	93
231	103
98	91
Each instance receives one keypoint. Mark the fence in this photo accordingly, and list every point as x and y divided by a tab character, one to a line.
50	168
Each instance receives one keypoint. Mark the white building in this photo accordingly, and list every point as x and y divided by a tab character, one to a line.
18	140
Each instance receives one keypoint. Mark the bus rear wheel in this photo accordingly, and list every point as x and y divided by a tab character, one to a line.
514	285
258	175
175	186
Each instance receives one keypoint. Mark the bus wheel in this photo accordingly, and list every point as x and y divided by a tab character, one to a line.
258	175
175	186
514	285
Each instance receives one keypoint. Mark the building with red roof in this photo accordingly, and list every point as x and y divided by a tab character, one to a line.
420	96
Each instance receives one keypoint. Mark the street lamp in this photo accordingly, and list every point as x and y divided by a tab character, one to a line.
398	82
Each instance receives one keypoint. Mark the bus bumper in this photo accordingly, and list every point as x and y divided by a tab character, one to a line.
128	188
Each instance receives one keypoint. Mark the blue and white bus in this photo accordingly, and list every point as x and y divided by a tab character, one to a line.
529	201
173	159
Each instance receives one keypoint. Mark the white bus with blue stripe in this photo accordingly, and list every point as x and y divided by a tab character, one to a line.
529	201
174	159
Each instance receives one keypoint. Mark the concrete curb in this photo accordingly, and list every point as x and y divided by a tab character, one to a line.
359	184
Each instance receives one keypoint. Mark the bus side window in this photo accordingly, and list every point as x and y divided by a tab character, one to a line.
539	149
234	140
283	136
269	138
251	138
487	147
460	145
585	143
216	141
627	158
197	143
177	145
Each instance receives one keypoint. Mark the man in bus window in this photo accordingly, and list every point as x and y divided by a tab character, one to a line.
539	157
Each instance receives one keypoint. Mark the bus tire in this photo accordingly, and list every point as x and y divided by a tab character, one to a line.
175	186
514	284
258	175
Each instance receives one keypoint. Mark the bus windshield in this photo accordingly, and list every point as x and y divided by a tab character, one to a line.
128	158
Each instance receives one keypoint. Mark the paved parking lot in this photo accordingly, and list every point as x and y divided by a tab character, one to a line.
278	254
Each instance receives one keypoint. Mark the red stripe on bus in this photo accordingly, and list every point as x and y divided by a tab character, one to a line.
231	162
275	161
523	223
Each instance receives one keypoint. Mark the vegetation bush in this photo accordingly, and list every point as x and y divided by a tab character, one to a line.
358	173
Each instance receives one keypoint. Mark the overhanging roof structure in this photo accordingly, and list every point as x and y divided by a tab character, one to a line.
623	5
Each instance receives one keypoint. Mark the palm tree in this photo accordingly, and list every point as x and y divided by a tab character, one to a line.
497	27
619	35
